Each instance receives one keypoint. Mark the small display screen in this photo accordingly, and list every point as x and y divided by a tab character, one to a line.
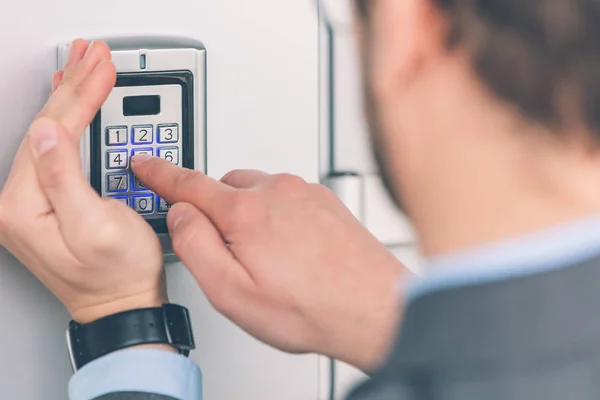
141	105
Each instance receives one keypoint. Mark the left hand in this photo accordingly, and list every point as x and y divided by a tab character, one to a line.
98	256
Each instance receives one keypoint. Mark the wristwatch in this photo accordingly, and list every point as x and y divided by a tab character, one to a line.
169	324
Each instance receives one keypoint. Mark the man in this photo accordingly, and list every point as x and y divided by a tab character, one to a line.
485	120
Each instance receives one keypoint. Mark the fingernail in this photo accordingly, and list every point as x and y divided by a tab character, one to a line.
101	64
139	158
89	49
176	222
71	58
43	137
175	217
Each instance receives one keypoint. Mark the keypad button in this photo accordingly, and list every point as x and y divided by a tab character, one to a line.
116	183
117	159
168	133
143	204
162	205
116	136
122	199
137	185
145	150
142	134
170	154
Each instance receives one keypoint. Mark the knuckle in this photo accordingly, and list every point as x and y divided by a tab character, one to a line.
323	192
319	189
289	184
231	175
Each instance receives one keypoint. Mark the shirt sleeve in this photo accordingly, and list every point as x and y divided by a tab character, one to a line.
138	370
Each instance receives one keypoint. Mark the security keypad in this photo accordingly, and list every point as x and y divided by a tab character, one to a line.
141	119
142	142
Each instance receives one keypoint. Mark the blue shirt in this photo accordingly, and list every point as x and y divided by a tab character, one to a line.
169	374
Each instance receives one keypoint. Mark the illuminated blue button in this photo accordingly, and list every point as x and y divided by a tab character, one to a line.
162	206
142	134
143	204
122	199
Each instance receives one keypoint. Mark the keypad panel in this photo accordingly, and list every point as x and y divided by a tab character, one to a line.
125	136
141	199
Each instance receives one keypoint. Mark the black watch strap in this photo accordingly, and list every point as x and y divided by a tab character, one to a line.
169	324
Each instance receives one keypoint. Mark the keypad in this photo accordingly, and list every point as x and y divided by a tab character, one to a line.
124	142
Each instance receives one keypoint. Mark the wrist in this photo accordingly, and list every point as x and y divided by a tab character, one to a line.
364	334
163	347
101	309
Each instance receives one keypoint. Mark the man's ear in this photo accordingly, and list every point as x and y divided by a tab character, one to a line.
404	35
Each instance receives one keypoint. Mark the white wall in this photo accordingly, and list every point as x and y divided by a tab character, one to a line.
262	113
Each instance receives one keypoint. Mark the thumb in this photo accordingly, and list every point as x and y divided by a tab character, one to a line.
57	163
200	247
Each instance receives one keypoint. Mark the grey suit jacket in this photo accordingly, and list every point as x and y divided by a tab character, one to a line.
528	338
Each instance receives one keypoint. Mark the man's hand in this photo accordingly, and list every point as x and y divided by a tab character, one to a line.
283	259
96	255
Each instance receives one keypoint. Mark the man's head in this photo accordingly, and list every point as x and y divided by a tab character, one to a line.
475	103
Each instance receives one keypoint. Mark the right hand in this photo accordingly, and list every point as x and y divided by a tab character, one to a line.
283	259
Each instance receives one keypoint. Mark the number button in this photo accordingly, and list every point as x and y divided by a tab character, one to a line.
163	206
116	183
137	184
117	159
146	150
116	136
122	199
143	204
142	134
168	133
170	154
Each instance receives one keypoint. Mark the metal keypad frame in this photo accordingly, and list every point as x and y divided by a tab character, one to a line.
175	67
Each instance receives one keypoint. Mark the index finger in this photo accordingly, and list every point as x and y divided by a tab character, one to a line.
181	185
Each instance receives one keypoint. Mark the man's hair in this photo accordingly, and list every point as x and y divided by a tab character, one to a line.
542	56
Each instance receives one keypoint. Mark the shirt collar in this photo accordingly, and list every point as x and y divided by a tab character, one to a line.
558	247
